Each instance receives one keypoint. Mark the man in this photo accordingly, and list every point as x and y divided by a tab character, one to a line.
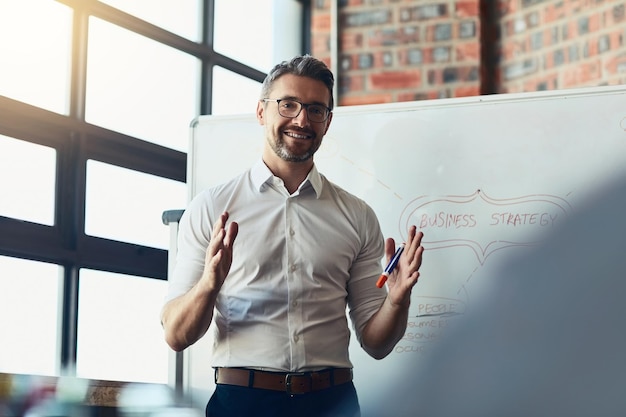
273	256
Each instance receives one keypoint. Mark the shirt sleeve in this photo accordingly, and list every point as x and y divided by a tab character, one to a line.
364	297
194	234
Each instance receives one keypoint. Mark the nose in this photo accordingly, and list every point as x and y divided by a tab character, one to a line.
302	119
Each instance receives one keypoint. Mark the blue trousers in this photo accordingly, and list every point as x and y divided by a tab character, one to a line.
235	401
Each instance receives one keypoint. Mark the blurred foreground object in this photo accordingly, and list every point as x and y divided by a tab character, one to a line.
548	339
46	396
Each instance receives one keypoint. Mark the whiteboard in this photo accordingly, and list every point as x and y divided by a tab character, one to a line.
483	177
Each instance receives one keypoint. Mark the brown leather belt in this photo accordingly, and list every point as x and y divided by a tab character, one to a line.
289	382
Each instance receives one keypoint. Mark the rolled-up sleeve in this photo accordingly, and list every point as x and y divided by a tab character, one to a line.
364	297
194	234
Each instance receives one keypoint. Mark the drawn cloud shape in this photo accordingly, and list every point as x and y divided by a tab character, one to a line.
482	223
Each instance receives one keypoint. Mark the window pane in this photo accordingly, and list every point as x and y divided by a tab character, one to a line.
29	305
140	87
28	179
272	31
126	205
119	331
225	102
35	53
182	17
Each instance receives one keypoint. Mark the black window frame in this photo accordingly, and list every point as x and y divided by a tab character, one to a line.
76	141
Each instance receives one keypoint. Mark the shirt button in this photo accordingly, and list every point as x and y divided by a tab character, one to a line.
294	303
291	232
293	268
296	338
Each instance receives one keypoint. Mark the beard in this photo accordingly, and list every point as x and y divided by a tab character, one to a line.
283	151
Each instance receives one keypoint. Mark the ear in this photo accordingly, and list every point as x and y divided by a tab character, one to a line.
260	112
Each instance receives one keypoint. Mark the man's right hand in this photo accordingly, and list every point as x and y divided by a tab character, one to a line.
219	254
186	318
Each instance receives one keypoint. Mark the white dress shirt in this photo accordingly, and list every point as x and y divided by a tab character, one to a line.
298	261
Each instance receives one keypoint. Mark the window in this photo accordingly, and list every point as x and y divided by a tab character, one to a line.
96	99
229	39
30	194
140	87
182	17
127	205
119	334
35	52
269	28
225	102
29	306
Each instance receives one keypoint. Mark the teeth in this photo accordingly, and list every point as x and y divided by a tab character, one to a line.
295	135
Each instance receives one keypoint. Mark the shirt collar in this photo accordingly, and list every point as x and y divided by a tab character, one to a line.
262	176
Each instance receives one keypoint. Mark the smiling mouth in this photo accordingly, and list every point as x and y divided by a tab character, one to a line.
299	135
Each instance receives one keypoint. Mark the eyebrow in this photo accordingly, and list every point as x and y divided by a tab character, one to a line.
298	99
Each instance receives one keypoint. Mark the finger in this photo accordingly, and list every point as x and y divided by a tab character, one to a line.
215	260
414	240
231	234
416	244
414	278
217	235
220	222
216	242
418	237
417	259
219	227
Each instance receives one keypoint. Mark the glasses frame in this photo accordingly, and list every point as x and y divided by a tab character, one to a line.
302	106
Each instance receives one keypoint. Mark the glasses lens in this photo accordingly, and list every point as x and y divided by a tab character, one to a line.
289	108
317	113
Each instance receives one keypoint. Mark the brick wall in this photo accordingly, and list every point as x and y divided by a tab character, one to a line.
559	44
405	50
320	30
392	50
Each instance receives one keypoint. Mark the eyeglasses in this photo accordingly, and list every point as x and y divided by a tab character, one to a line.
291	108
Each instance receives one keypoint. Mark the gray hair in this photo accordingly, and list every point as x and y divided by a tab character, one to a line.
304	66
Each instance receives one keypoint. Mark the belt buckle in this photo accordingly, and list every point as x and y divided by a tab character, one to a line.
289	383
